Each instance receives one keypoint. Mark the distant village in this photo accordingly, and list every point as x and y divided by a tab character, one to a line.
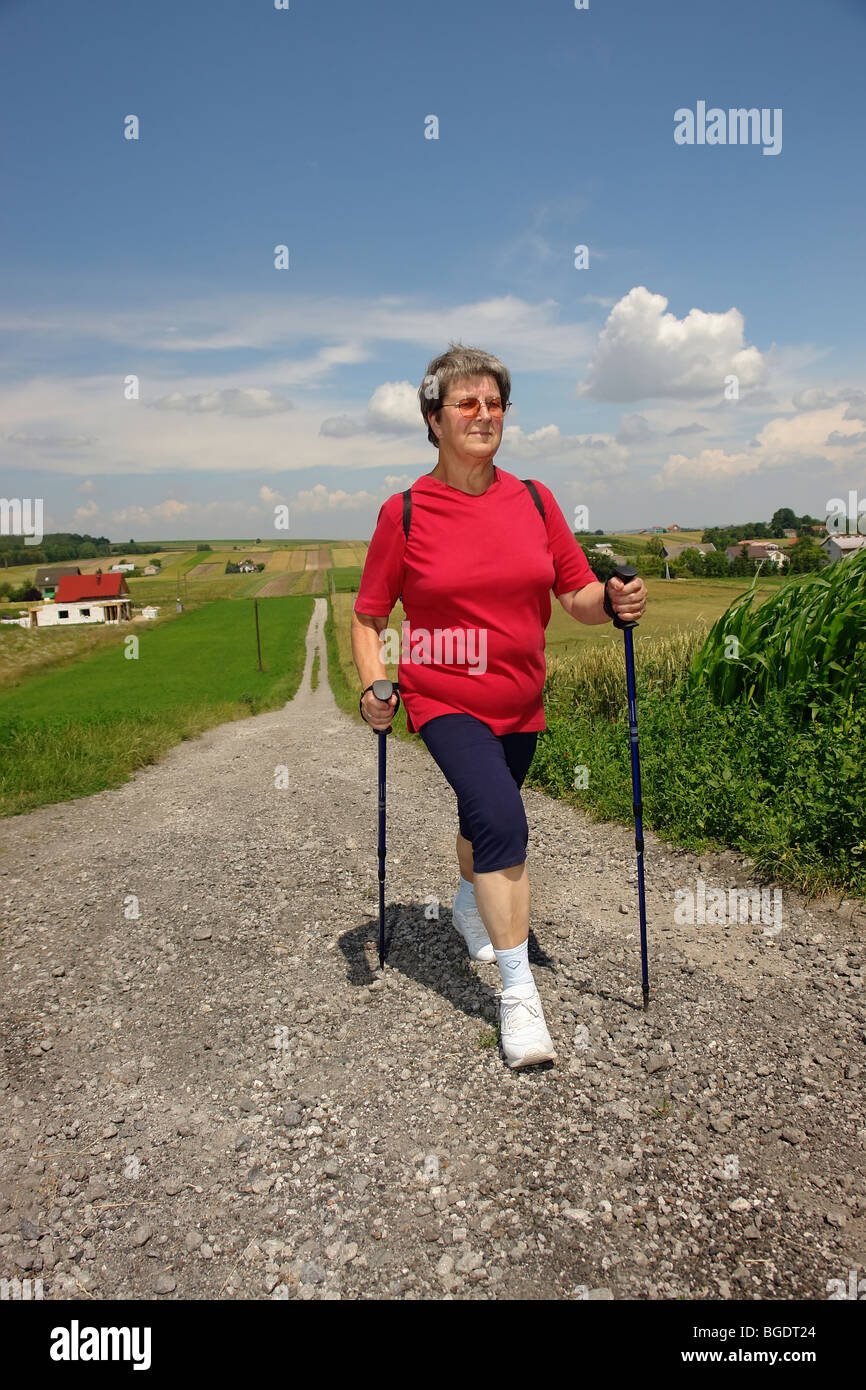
69	597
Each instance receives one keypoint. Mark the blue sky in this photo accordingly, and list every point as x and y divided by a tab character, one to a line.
154	258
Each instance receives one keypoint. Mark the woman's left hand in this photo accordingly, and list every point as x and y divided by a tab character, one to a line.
628	600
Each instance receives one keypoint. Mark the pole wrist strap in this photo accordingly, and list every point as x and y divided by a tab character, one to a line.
606	603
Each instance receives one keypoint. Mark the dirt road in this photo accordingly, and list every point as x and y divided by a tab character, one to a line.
209	1091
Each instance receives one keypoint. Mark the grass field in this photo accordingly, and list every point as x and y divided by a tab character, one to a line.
23	652
87	725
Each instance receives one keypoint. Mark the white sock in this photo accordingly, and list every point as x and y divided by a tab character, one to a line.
465	895
514	965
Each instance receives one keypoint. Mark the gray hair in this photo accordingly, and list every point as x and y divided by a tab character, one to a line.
458	362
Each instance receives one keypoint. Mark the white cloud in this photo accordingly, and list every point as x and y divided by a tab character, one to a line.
393	408
268	496
322	499
87	511
591	454
791	442
170	510
643	352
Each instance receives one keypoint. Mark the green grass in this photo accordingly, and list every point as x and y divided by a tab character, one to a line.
87	726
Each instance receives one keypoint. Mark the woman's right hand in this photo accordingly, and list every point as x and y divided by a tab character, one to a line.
378	713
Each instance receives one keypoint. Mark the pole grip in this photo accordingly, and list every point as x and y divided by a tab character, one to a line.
625	573
383	690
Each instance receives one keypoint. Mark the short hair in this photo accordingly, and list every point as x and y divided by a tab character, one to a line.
458	362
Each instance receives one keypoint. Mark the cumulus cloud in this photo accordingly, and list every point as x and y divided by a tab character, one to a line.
392	409
710	465
268	496
87	511
169	510
591	454
322	499
231	401
643	352
797	441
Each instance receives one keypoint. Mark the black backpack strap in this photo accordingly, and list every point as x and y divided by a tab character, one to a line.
535	497
407	506
407	520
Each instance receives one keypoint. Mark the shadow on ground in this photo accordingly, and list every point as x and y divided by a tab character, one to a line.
431	952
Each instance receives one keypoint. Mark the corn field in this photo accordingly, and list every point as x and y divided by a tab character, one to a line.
810	634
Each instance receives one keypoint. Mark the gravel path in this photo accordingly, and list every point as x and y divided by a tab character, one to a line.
220	1097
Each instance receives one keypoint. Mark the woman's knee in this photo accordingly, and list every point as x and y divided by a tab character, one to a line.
499	836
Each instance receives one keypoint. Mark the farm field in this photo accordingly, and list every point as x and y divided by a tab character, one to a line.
88	724
674	605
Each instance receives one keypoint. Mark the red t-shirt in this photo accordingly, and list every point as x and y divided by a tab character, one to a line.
475	575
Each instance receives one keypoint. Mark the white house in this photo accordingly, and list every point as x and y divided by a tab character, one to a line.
840	547
86	598
123	568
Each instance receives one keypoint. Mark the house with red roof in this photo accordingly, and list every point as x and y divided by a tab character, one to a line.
86	598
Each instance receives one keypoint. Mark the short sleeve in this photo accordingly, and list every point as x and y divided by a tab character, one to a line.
572	567
382	577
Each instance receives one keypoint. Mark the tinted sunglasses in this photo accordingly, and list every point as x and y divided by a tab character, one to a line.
470	406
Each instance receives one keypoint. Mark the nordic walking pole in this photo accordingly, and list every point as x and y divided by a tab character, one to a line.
383	690
626	573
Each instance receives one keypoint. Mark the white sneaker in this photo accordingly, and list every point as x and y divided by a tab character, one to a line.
474	933
522	1029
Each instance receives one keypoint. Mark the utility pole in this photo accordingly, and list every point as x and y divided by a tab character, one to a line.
258	634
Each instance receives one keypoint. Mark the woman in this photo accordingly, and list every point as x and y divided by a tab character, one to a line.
477	569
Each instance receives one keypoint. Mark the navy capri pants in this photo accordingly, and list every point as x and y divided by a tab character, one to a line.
486	771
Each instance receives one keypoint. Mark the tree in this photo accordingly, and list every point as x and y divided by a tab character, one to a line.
655	545
805	555
716	564
690	560
601	565
784	519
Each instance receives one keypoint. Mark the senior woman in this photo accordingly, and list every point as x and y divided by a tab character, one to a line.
477	569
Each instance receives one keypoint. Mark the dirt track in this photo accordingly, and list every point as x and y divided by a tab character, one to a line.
220	1097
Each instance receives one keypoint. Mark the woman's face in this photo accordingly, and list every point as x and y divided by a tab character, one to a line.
470	439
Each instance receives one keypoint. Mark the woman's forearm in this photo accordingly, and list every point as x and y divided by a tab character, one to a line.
367	649
587	604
